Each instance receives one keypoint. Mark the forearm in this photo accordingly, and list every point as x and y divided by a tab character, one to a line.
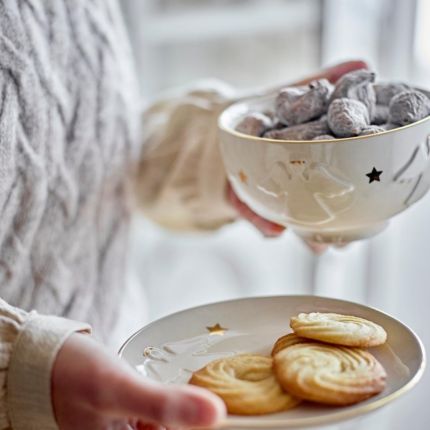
29	343
181	182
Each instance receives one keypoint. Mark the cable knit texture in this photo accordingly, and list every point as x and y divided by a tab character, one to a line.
69	155
66	145
68	123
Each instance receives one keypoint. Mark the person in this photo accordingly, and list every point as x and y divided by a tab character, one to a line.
71	153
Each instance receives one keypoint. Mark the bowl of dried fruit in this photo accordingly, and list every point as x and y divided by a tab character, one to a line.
332	162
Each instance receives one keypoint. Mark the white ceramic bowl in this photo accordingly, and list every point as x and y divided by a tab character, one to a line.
321	189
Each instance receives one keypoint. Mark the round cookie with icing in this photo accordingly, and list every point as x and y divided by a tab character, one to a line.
329	374
246	383
338	329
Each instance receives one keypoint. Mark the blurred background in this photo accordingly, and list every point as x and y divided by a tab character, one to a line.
252	43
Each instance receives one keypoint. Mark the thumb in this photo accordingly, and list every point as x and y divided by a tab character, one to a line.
172	406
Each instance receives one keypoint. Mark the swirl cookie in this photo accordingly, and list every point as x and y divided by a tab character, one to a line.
338	329
246	383
329	374
287	341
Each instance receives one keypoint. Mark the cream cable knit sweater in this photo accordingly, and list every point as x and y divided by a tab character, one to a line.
69	149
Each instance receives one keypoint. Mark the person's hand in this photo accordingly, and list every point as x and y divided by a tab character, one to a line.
269	229
94	390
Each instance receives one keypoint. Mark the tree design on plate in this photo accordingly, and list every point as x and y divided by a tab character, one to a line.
174	362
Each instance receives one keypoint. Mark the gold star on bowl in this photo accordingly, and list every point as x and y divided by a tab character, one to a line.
216	330
243	178
374	175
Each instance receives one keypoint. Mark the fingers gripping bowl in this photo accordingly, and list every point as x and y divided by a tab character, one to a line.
331	191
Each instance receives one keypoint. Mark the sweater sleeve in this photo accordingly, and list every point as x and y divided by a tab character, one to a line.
181	179
29	343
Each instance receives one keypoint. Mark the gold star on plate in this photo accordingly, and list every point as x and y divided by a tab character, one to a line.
374	175
216	330
243	178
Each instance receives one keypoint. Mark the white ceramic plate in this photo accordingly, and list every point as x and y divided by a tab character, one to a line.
170	349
